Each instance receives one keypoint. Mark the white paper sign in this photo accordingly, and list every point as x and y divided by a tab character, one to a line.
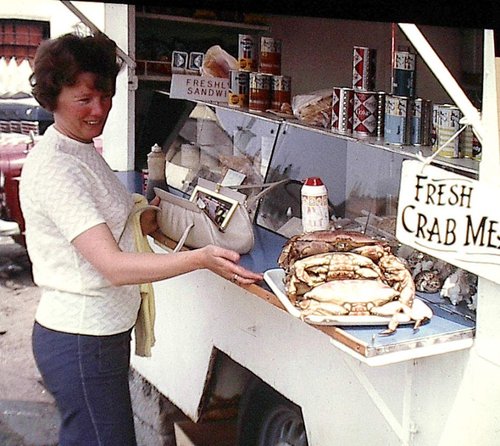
199	88
451	217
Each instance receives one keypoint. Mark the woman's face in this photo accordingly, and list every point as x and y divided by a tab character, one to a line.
82	110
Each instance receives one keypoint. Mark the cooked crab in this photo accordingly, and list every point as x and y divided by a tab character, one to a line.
361	297
310	243
320	263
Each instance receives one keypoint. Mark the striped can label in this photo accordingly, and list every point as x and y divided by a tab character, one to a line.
381	101
421	122
342	109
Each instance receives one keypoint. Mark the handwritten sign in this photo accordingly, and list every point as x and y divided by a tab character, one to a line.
199	88
451	217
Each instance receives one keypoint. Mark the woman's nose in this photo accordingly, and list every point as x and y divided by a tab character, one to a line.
100	106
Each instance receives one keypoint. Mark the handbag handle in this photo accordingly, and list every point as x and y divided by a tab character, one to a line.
267	187
136	210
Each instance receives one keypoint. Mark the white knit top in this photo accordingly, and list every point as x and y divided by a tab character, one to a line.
67	188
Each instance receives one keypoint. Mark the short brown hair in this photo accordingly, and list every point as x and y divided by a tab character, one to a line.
59	61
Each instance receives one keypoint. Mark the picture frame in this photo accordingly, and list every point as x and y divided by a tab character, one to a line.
216	206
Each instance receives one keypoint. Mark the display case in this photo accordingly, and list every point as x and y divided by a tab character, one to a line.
241	148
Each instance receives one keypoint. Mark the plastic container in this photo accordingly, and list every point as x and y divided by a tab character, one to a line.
314	197
156	171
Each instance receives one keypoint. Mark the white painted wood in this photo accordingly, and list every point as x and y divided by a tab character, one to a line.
343	399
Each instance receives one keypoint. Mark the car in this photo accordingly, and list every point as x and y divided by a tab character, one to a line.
22	121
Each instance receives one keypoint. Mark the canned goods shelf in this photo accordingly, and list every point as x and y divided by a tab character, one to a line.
467	166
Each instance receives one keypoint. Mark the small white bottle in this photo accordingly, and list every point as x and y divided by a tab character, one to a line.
156	171
315	216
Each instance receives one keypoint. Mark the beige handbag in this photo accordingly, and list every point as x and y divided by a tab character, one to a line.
214	214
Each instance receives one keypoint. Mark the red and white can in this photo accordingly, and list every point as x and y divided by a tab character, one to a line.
281	91
365	113
342	108
247	52
270	56
364	64
259	96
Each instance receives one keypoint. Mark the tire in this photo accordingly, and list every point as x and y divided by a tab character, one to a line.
266	418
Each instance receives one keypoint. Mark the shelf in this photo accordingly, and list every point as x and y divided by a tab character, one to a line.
465	165
145	77
190	20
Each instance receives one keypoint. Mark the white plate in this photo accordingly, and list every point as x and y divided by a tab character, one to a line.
274	278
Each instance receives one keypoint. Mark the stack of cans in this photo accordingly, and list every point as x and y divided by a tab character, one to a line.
408	120
368	104
258	83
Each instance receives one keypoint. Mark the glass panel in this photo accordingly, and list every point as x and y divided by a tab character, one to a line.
223	146
362	182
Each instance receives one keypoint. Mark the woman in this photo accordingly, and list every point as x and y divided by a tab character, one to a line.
75	210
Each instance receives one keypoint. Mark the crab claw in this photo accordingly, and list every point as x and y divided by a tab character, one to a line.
419	312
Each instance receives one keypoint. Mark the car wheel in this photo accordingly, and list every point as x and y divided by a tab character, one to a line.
267	418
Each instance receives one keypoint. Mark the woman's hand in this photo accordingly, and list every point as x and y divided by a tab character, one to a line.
224	262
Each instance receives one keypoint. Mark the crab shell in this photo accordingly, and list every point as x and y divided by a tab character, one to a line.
318	242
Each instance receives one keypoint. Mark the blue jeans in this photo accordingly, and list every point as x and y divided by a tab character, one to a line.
88	377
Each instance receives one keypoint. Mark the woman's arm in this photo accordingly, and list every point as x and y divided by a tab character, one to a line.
99	247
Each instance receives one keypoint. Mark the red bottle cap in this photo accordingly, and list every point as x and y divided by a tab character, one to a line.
313	181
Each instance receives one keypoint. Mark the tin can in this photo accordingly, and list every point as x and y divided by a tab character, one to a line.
238	93
381	99
397	114
342	107
247	53
314	204
365	113
259	97
281	91
403	72
421	122
446	121
364	63
270	56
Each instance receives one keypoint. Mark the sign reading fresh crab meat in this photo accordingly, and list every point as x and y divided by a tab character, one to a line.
451	217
